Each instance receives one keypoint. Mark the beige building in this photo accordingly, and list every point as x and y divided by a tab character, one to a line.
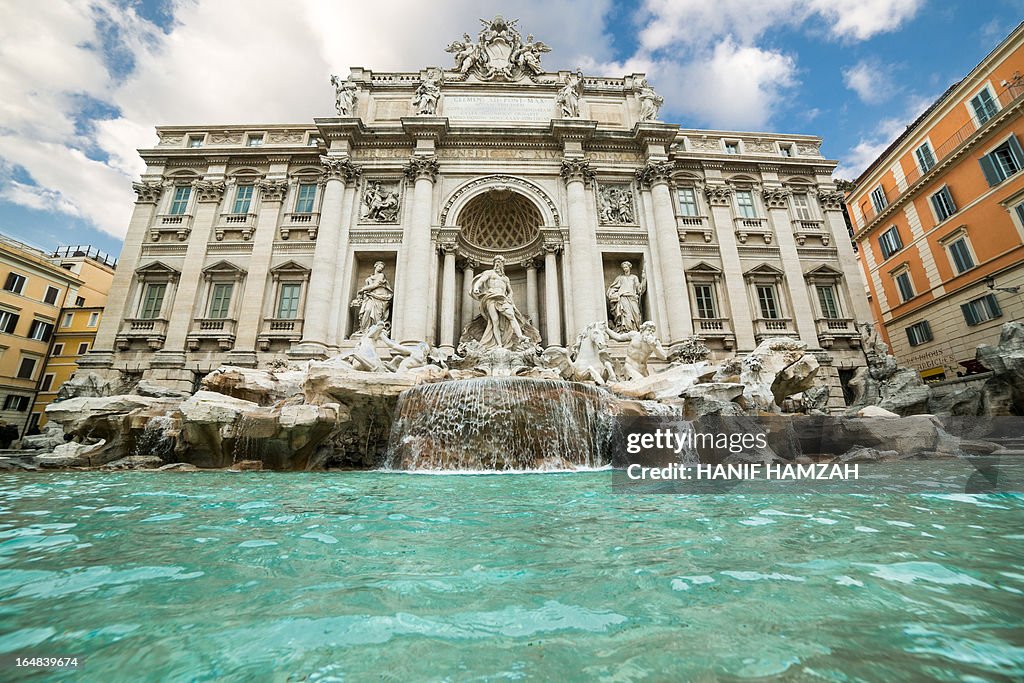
259	242
77	322
33	291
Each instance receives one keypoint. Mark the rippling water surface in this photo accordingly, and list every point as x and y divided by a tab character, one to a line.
356	576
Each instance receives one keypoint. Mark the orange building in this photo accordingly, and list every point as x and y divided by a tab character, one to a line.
939	220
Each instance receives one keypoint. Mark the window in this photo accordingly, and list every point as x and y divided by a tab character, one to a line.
732	147
1020	212
919	333
243	199
766	299
704	295
26	368
785	149
58	350
33	422
79	300
827	299
83	348
745	204
68	319
802	206
94	319
314	140
925	157
8	321
960	254
13	402
46	383
904	284
304	198
984	106
51	295
890	242
687	202
220	299
40	330
180	200
254	141
153	301
981	309
942	202
15	283
1002	162
195	141
288	302
878	199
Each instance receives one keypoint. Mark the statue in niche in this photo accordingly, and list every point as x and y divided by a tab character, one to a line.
345	95
380	204
428	94
616	204
503	325
373	299
650	101
624	297
642	345
569	96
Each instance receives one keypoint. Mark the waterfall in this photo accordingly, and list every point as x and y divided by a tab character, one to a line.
499	423
154	439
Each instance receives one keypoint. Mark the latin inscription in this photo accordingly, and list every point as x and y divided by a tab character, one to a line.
498	108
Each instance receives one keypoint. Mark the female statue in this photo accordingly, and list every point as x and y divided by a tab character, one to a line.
373	299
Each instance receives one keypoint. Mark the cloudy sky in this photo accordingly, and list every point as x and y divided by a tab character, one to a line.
83	82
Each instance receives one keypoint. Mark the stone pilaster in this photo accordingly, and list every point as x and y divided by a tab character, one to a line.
831	202
422	170
209	194
342	282
271	196
148	194
776	201
468	308
532	302
719	198
656	175
337	172
588	304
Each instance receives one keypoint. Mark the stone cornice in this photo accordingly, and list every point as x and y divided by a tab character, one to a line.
425	127
573	129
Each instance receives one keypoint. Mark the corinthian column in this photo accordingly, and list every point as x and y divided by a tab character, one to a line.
315	326
532	302
831	202
468	302
656	174
272	193
120	288
447	321
719	198
776	199
208	195
419	256
588	301
552	306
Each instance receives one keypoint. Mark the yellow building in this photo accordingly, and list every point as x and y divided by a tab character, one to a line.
33	290
78	321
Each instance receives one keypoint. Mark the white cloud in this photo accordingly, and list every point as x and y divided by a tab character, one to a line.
871	146
740	87
235	61
871	80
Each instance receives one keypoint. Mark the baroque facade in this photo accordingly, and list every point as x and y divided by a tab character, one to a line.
255	243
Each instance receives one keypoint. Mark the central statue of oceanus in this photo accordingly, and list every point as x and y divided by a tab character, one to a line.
500	323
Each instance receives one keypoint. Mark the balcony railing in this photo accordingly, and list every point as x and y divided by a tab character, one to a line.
309	222
745	227
773	327
1005	98
279	329
178	223
806	228
715	328
243	222
222	330
688	224
830	329
151	330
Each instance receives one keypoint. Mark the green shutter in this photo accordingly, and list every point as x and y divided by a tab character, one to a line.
969	315
1015	149
988	167
994	306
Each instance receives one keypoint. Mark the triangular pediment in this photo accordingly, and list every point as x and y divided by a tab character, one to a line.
823	271
289	267
765	269
156	268
705	268
223	268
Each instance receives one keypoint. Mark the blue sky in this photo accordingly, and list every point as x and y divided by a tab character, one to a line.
84	82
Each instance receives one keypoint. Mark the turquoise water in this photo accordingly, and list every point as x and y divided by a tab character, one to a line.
398	577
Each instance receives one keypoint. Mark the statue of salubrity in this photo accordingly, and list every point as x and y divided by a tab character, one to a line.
624	297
